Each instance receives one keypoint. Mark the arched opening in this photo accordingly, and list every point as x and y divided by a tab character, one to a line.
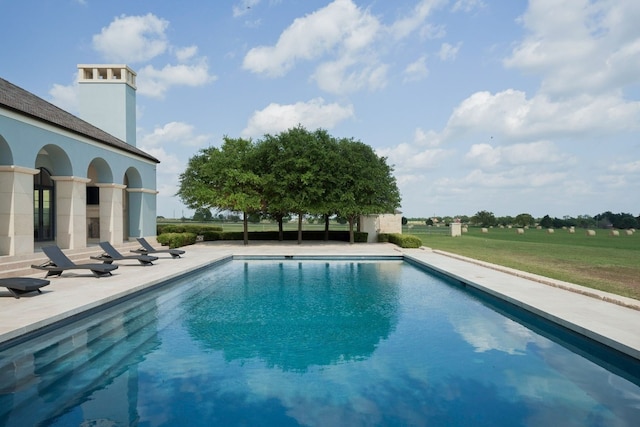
43	206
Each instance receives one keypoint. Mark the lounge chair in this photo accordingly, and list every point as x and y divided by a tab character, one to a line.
59	262
111	254
22	285
148	249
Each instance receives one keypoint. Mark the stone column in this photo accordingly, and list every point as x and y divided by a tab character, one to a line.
16	210
71	211
111	212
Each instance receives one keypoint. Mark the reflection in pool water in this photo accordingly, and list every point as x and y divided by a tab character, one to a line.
307	343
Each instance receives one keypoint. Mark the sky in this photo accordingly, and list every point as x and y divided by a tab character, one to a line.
505	106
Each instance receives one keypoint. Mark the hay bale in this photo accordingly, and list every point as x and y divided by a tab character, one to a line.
629	232
465	229
550	230
591	232
484	230
520	231
572	230
614	233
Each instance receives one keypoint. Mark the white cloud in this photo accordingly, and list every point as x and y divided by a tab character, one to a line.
186	53
65	97
486	156
180	133
582	47
449	52
132	39
312	115
403	27
348	41
155	82
512	114
341	24
417	70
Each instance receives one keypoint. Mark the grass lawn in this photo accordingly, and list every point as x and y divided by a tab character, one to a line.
602	262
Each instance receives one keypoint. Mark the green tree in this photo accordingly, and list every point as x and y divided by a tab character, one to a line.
484	218
546	222
291	164
524	220
366	184
202	215
223	178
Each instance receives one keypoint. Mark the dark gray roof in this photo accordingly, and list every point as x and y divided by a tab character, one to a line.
17	99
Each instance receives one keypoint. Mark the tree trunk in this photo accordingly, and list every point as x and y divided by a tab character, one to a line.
326	228
245	224
351	238
280	229
299	228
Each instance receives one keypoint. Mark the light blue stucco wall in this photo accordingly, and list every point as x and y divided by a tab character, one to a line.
111	107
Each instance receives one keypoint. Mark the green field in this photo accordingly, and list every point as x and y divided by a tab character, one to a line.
602	262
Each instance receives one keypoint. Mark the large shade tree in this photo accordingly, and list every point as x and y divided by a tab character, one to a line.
291	164
223	178
365	183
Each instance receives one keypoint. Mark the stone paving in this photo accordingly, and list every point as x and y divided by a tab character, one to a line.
606	318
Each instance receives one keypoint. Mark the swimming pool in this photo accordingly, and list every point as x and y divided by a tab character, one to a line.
312	342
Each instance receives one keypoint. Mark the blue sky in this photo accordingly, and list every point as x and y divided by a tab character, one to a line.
507	106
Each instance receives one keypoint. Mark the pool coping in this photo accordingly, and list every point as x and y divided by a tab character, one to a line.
604	320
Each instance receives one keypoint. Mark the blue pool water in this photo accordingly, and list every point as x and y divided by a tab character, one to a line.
313	343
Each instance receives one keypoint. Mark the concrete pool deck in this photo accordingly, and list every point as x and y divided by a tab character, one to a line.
606	318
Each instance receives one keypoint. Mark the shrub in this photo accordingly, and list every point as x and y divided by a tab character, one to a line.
175	240
186	228
405	240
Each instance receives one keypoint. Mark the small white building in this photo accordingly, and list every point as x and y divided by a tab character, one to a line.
381	224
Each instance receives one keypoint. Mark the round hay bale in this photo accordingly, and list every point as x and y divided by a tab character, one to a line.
550	230
629	232
614	233
591	232
520	231
484	230
572	230
465	229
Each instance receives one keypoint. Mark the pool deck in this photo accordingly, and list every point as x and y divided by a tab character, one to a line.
610	319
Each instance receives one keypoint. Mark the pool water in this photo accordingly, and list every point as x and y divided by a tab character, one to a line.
313	343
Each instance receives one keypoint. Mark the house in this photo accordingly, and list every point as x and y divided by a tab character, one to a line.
68	180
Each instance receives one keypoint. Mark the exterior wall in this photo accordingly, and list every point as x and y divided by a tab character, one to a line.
27	144
376	224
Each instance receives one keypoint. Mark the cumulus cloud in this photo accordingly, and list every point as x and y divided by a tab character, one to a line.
347	40
583	47
312	115
155	82
132	39
341	23
171	134
511	113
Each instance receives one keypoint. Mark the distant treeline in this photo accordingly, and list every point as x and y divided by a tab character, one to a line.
487	219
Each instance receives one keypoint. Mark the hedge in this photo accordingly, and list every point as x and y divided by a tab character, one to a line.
175	240
186	228
402	240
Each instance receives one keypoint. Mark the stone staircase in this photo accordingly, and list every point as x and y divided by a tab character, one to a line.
20	266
